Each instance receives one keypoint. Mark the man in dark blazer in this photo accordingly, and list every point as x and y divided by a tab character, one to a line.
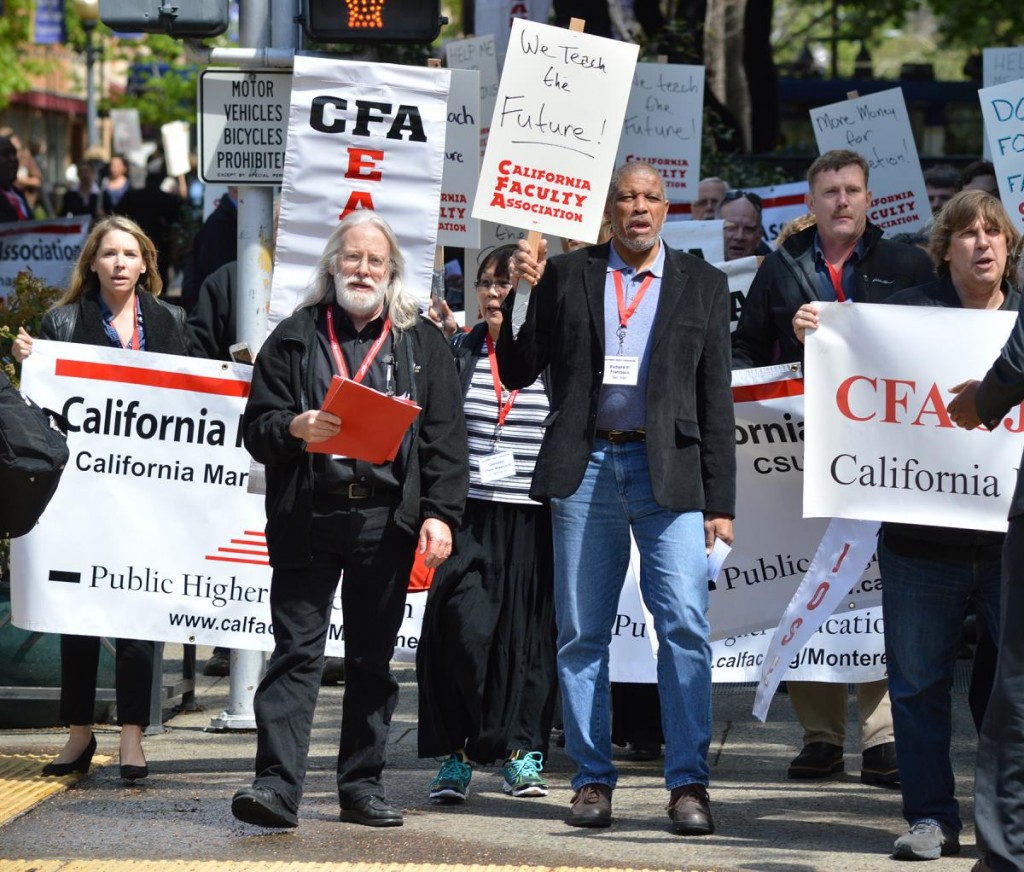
999	778
635	337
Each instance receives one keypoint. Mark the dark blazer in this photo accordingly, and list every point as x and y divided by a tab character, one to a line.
787	279
691	438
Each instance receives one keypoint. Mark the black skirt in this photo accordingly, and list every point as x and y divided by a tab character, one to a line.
486	656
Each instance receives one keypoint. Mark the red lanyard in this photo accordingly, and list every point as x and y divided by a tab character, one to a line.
133	345
503	408
836	272
620	296
339	361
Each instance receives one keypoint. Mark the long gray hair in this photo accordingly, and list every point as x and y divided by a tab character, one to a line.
401	306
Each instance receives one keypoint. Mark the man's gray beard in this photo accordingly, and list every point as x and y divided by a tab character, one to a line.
636	245
358	303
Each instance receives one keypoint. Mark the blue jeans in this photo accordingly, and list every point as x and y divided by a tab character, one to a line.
924	602
591	544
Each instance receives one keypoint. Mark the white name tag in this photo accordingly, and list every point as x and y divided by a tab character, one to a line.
621	370
493	467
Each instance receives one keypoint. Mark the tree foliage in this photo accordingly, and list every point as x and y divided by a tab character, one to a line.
16	67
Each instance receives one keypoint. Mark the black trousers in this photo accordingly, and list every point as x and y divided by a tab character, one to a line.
999	777
133	679
360	538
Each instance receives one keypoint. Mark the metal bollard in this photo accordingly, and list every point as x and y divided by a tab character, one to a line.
246	672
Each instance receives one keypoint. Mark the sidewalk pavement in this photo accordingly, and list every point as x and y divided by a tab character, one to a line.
182	811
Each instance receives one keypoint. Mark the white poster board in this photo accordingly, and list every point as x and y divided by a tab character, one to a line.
478	53
127	131
880	445
360	136
999	65
663	124
701	238
877	127
455	226
740	273
555	131
177	148
1002	107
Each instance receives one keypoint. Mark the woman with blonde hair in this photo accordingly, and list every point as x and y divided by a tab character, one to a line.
111	301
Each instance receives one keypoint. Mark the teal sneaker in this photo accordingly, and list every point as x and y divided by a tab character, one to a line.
452	781
522	774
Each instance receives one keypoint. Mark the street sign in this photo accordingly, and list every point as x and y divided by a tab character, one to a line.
243	125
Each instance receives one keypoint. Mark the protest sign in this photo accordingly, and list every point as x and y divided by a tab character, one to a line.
47	249
555	131
461	162
702	239
495	17
478	53
177	153
880	445
999	65
127	131
877	127
663	124
741	273
779	205
360	136
1002	107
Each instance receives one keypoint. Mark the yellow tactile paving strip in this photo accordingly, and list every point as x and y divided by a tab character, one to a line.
249	866
21	785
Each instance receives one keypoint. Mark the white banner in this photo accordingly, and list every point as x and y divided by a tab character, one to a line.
703	239
779	204
1002	107
663	123
880	444
741	273
478	53
877	127
461	162
360	136
48	249
555	131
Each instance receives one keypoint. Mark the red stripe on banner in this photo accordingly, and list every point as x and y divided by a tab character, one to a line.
151	378
262	543
238	560
786	200
259	534
51	230
262	553
791	387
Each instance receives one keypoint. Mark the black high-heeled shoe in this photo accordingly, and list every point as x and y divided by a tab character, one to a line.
134	773
80	764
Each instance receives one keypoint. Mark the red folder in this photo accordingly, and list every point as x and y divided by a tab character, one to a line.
372	423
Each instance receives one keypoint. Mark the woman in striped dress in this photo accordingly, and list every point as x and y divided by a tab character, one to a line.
486	657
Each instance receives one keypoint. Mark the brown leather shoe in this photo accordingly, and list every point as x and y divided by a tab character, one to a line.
690	810
591	806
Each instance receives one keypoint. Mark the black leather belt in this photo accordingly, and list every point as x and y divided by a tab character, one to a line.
622	435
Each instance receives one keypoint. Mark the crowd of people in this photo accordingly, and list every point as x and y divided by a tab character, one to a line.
541	447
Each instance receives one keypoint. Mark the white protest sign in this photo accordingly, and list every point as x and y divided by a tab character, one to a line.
781	204
495	17
478	53
877	127
999	65
493	236
127	131
177	150
242	125
663	123
555	131
701	238
880	445
48	249
360	136
1002	107
741	273
461	163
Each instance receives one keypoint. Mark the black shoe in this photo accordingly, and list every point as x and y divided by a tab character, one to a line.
878	766
263	807
219	664
372	811
690	810
134	773
591	806
817	760
80	764
334	671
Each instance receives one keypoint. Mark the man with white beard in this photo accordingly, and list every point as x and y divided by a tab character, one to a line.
327	513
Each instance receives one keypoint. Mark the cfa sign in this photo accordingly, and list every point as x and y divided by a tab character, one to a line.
243	125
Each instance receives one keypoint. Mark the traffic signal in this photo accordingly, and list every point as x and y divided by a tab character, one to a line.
373	20
184	19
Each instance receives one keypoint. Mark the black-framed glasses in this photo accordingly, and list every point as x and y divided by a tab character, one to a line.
500	285
740	194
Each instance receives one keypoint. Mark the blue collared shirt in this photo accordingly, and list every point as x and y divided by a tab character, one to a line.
826	291
111	331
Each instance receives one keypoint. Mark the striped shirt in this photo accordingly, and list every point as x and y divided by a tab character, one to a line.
522	435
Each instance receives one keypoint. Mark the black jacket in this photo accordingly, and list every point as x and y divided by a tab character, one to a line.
691	438
82	322
787	279
212	318
432	462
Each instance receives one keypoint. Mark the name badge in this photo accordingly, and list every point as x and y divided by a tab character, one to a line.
494	467
621	370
